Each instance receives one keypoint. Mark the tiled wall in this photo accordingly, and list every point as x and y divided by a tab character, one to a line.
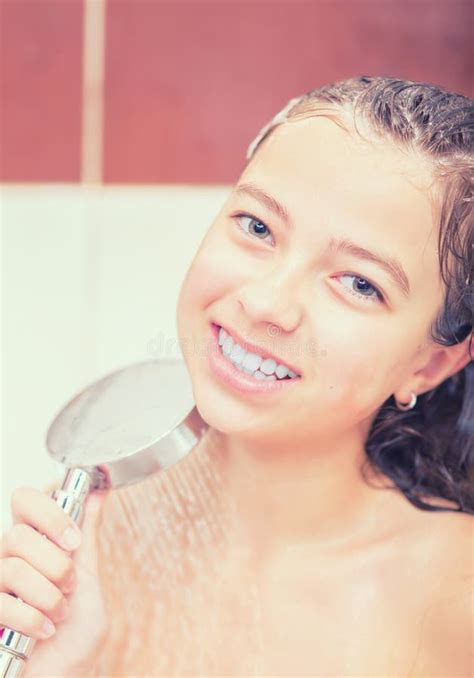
181	86
41	89
90	277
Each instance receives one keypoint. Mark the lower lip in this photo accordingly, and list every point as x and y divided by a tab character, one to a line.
226	372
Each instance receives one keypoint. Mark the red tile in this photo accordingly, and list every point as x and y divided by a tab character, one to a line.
190	82
40	90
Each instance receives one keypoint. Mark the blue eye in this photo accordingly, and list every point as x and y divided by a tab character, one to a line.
362	288
261	230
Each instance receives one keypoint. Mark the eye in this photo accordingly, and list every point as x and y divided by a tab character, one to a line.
257	228
362	288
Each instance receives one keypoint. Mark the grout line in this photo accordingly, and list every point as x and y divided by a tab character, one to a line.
93	58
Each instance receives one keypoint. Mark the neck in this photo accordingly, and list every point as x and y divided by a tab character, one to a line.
286	494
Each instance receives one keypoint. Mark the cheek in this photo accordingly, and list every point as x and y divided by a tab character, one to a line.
355	370
209	278
361	372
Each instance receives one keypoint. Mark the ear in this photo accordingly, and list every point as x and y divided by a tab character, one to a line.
442	363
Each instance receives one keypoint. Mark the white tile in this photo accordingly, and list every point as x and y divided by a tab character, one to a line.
90	283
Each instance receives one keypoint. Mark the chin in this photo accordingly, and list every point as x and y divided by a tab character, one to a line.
217	411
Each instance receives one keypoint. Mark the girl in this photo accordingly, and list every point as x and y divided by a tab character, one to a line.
323	526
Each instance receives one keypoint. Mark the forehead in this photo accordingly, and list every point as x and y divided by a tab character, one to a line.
314	163
321	153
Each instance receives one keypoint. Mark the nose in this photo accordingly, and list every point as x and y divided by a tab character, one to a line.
272	299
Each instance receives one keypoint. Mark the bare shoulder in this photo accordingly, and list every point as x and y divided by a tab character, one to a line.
447	539
455	540
447	628
455	532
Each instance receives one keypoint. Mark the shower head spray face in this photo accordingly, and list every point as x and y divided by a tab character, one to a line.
132	422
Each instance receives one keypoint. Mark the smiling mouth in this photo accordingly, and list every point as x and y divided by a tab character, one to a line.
252	362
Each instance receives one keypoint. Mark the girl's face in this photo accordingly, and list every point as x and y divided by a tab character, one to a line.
345	290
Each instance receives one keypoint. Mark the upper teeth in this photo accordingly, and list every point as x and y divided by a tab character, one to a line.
252	363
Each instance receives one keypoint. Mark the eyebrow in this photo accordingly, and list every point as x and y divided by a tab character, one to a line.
262	196
336	245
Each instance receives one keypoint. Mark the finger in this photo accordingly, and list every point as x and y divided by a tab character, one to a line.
19	616
48	559
19	578
29	505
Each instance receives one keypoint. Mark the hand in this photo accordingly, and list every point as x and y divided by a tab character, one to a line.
38	570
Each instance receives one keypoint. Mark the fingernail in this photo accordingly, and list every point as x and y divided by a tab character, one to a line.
47	629
71	538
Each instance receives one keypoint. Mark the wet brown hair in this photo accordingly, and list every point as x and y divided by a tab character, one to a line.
427	451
